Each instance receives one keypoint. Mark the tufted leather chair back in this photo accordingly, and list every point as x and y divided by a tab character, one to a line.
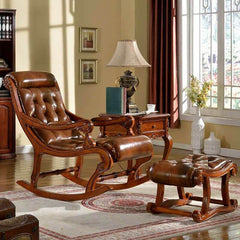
40	98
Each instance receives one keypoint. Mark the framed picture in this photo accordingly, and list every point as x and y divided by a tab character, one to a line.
88	39
88	71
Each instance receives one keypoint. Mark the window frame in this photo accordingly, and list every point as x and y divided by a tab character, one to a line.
186	110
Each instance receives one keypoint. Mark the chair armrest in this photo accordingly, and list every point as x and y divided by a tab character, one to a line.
83	125
74	117
125	121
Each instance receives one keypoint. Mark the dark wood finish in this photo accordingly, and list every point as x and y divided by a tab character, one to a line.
153	125
7	52
7	129
55	131
7	209
21	227
192	171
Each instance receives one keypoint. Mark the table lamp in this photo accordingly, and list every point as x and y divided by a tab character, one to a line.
127	54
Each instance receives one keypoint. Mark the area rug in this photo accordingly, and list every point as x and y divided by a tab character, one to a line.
114	215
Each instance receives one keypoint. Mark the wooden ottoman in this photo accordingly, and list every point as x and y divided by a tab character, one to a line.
24	227
7	209
189	172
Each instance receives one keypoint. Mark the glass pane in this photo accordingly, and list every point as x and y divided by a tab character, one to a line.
214	48
236	104
227	103
206	6
236	79
208	102
184	6
184	95
184	106
236	92
196	44
214	90
236	49
206	47
228	51
228	77
214	102
196	6
227	92
235	5
227	5
214	5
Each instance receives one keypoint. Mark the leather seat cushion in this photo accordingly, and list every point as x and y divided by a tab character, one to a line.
186	172
70	144
125	148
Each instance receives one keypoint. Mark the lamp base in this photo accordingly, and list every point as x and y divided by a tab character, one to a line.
130	83
132	108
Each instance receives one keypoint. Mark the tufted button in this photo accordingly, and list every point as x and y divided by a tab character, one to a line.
45	104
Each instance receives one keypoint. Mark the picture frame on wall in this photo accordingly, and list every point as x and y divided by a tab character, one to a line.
88	71
88	39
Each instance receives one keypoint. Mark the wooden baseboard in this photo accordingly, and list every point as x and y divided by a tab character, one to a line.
24	149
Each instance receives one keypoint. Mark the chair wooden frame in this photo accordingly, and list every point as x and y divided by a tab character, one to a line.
92	186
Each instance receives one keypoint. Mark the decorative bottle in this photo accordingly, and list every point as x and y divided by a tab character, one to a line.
212	145
198	133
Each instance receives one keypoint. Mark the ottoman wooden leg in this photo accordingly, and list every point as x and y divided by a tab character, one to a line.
161	206
227	204
151	207
184	196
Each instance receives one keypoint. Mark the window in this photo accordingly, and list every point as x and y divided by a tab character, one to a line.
210	49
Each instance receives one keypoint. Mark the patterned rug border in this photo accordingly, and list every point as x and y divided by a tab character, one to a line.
117	233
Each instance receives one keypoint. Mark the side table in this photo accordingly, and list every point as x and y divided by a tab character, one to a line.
153	125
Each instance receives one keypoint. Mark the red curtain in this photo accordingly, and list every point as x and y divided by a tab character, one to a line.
163	82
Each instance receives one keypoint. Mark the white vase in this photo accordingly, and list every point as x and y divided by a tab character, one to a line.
212	145
198	132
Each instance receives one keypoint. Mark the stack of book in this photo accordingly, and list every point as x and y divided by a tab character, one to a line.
116	100
6	27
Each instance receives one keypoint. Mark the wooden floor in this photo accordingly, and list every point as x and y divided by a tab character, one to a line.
21	167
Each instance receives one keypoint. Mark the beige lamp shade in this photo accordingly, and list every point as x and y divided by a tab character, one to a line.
127	54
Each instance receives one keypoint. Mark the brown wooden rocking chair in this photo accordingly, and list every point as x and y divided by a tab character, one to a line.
53	130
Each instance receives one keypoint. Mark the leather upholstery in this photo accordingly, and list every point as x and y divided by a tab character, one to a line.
124	148
41	99
186	172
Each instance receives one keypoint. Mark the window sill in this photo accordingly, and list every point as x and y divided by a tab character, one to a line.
210	119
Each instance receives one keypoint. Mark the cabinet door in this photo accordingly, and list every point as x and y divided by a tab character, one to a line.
7	129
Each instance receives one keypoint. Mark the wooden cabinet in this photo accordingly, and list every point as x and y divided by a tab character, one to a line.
7	129
7	64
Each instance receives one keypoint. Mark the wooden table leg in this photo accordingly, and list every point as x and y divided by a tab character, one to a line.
168	146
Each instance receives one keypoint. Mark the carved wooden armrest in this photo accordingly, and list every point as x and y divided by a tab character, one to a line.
125	121
74	117
83	125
